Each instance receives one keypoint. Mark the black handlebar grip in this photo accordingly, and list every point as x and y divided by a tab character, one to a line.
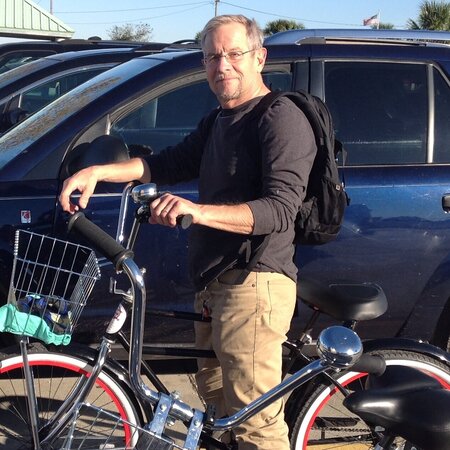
99	239
371	364
184	221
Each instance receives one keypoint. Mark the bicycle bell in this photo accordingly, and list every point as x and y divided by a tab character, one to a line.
339	346
144	193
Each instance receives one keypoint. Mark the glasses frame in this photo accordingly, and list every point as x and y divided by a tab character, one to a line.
231	57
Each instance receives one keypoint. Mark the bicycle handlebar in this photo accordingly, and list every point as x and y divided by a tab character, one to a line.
99	239
372	364
143	194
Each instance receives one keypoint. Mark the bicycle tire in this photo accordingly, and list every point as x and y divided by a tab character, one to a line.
55	374
320	421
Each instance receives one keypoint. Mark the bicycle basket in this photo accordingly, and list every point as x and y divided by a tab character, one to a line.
51	281
95	428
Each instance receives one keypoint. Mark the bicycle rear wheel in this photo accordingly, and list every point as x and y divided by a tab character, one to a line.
55	375
319	420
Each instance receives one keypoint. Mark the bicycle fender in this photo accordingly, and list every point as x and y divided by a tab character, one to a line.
407	345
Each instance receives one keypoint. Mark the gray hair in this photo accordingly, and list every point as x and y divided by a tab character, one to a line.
255	36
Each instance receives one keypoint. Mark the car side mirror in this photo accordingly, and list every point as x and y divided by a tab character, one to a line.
104	149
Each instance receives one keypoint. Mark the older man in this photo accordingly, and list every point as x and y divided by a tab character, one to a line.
252	179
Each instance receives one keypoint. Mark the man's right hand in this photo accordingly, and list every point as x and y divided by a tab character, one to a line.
84	182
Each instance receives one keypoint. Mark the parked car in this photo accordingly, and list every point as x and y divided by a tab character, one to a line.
14	54
28	88
390	99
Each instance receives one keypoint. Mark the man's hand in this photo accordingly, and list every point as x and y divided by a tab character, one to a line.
232	218
166	209
84	182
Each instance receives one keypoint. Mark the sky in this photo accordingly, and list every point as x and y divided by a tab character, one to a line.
172	20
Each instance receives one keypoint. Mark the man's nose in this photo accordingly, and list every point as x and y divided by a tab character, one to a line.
223	63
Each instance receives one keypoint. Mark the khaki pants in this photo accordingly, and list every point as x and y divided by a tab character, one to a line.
249	324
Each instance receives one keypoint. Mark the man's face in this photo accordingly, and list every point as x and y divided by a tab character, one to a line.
233	80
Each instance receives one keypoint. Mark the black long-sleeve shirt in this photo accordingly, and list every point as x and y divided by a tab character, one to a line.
264	163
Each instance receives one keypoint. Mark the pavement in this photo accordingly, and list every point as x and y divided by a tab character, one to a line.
185	386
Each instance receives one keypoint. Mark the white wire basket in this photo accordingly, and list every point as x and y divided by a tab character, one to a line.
51	281
97	429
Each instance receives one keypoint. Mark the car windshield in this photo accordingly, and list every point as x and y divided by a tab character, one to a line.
19	72
18	138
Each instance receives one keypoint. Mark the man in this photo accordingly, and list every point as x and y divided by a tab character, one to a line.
252	180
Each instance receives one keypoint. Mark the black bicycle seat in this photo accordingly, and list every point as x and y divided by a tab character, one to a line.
344	300
406	403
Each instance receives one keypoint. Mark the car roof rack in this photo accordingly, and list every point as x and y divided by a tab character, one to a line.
96	40
183	44
323	35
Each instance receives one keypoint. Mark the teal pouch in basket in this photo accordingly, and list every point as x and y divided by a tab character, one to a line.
17	322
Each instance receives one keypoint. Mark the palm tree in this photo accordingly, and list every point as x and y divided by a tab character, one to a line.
383	26
281	25
433	15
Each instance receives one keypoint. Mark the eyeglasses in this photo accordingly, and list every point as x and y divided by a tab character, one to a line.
231	57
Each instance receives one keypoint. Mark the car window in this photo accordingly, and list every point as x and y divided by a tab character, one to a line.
441	119
32	129
16	59
380	111
41	95
167	119
15	74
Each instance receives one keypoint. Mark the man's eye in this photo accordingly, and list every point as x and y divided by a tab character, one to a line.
234	55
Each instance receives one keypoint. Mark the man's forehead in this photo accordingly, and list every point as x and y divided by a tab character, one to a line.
227	37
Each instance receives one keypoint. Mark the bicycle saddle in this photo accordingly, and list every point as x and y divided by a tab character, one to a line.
406	403
344	300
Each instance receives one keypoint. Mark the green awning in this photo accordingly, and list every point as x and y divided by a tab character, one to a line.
25	19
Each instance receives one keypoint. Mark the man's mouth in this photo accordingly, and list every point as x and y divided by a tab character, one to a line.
222	79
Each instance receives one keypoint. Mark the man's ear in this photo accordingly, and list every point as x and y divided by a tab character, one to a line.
261	55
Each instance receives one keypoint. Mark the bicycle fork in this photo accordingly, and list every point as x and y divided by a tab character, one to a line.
30	394
44	436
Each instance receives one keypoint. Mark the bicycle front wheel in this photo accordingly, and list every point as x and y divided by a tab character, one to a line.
55	376
320	421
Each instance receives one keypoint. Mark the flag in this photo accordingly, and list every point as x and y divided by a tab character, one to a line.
374	20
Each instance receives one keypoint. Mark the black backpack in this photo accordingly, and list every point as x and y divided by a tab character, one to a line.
322	212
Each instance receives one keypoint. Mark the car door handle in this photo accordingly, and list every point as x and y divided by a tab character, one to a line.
446	203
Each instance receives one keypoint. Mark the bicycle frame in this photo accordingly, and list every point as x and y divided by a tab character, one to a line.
169	406
295	347
180	410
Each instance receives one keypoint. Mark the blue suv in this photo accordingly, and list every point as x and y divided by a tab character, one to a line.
389	94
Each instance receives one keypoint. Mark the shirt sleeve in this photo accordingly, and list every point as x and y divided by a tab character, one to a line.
288	150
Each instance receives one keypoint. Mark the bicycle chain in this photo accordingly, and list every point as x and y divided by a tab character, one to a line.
350	430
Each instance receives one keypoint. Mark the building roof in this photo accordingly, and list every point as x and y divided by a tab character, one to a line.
24	18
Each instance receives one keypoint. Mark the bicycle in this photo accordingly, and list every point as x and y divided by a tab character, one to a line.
124	399
43	287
